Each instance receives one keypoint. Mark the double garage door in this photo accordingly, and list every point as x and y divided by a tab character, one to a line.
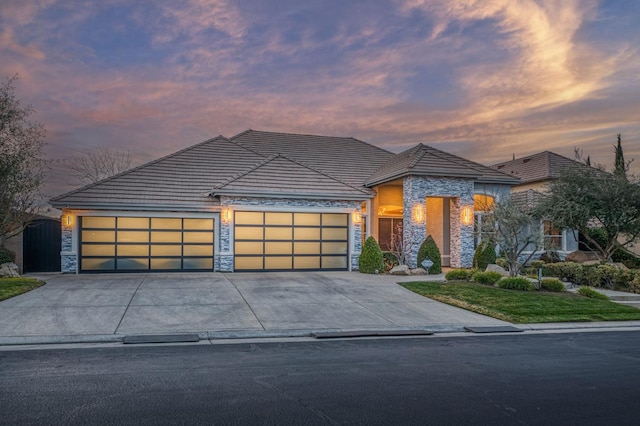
146	243
268	241
263	241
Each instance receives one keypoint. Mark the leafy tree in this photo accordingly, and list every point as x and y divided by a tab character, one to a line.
516	229
429	249
22	163
371	257
583	198
99	164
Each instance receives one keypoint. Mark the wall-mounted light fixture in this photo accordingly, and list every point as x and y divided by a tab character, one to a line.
418	213
68	220
356	217
226	214
466	215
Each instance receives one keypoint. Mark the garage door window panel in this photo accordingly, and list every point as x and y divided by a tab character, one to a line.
133	223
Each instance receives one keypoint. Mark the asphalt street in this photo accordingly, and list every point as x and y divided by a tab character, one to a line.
563	379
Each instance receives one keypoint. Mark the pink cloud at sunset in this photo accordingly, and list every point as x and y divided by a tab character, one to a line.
481	79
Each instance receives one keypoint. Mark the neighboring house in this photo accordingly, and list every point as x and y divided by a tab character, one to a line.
262	201
536	172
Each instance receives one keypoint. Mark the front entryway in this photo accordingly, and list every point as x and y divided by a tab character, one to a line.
285	241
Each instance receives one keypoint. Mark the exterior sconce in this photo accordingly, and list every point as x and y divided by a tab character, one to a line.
356	217
68	220
418	213
226	214
467	215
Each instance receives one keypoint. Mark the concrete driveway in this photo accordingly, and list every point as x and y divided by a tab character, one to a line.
240	304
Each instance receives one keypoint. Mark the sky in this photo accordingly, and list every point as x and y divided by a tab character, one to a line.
483	79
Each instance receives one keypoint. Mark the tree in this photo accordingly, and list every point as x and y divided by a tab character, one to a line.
516	229
583	198
99	164
22	163
620	168
429	249
371	261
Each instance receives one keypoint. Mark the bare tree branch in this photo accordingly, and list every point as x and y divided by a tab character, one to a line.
98	165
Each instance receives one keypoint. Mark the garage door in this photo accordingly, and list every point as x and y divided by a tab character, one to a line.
272	241
146	243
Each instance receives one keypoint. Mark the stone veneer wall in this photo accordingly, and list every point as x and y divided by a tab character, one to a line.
68	257
415	191
226	254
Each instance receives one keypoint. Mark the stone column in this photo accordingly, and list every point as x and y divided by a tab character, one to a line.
68	256
414	232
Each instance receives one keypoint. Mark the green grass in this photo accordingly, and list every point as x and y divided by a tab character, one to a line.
521	306
10	287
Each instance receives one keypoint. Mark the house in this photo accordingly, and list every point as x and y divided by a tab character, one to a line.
265	201
536	172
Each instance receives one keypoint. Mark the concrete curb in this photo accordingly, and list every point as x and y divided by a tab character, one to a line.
239	335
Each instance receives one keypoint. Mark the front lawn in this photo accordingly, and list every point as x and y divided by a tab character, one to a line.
522	306
10	287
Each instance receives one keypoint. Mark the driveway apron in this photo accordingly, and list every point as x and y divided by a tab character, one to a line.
204	302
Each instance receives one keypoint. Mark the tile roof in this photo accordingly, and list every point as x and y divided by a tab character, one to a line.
348	159
541	166
279	176
180	180
526	199
423	160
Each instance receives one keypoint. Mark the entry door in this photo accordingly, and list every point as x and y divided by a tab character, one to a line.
438	225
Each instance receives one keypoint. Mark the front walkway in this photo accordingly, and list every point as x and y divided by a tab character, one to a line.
235	304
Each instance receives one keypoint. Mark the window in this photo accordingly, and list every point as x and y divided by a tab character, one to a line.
552	236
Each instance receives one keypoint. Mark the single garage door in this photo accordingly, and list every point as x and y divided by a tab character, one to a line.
146	244
274	241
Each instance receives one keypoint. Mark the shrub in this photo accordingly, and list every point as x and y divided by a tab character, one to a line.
502	262
591	293
6	255
516	283
459	274
634	281
487	278
429	249
390	260
551	284
484	255
371	257
537	264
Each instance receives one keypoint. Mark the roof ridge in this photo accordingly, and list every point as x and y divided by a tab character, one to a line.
276	156
149	163
245	172
422	152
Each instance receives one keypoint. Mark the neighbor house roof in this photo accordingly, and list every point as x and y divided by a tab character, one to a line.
348	159
181	180
279	176
538	167
423	160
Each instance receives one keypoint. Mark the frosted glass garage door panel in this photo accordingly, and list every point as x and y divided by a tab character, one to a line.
277	248
249	218
249	247
306	234
334	234
334	262
165	223
334	248
133	250
278	219
198	250
246	263
278	234
124	264
198	237
133	223
249	233
99	222
98	236
98	250
166	237
159	263
329	219
196	263
166	250
277	262
97	264
133	236
306	219
306	262
198	224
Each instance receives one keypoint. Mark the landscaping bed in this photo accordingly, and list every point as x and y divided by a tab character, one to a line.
10	287
523	306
